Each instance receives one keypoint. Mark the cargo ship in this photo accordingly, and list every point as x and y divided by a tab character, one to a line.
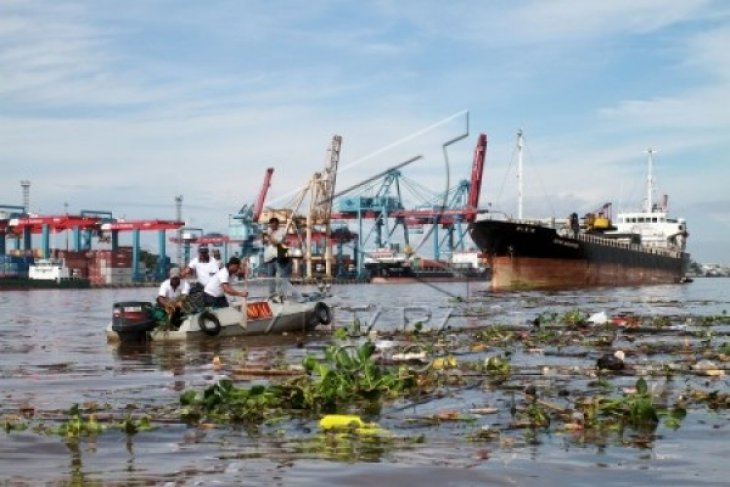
23	273
390	266
642	247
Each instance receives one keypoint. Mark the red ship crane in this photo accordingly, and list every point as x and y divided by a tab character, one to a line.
477	172
259	206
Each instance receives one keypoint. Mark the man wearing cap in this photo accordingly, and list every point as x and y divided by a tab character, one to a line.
172	288
276	261
203	266
170	293
218	286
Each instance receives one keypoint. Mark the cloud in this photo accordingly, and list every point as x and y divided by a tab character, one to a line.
558	21
198	100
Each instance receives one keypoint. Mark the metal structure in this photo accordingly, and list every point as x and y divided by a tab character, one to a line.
137	226
25	185
314	229
89	223
8	212
382	200
246	228
178	217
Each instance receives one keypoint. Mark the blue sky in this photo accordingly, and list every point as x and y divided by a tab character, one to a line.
122	105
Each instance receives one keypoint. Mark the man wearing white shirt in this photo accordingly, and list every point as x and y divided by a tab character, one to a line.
170	293
172	289
203	266
276	262
214	294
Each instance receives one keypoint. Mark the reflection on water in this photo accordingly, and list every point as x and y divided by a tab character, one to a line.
54	354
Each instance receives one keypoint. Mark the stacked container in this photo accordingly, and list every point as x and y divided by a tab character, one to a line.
110	266
77	262
14	266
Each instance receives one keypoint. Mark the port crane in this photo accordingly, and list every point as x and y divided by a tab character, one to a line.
247	229
382	201
308	219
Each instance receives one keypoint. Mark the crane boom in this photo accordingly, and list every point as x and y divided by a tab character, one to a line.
477	171
258	208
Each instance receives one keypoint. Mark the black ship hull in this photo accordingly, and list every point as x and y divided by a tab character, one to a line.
524	256
23	283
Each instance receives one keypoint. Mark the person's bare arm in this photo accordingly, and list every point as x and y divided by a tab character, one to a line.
228	289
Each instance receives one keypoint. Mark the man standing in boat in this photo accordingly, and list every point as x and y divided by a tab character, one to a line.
203	267
276	261
219	285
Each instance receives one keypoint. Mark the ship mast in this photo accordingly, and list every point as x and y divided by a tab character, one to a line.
519	174
650	182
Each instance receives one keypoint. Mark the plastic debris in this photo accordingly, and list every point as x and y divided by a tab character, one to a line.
349	422
600	318
708	368
444	363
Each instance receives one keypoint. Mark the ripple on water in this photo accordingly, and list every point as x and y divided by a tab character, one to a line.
54	354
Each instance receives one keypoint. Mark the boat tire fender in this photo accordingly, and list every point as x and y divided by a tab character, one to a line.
209	323
323	313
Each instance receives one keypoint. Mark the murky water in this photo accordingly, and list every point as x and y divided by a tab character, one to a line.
53	354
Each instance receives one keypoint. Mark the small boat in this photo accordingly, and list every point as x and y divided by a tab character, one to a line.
139	321
22	273
387	265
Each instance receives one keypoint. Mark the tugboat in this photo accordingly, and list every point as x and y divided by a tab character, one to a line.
388	265
643	247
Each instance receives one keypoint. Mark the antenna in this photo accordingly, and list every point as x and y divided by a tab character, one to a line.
519	174
25	184
650	182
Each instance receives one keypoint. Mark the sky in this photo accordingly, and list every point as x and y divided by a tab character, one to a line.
120	106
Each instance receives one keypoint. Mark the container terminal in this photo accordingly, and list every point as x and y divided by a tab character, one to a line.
367	232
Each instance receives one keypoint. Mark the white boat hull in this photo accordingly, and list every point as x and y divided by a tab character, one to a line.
257	318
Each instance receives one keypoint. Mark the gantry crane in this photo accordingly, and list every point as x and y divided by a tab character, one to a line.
384	204
248	230
312	225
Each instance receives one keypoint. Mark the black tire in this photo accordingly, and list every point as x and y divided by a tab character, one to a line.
323	313
209	323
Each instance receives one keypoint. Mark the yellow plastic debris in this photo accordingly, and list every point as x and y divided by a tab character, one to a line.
444	363
349	421
338	421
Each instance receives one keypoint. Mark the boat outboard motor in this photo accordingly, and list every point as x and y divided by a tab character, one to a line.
131	320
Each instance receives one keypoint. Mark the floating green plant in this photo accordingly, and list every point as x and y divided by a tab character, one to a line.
342	378
77	426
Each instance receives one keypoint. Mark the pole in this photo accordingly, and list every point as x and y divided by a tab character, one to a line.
135	255
45	241
519	174
162	256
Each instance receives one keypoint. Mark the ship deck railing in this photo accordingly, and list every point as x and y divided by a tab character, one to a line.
610	242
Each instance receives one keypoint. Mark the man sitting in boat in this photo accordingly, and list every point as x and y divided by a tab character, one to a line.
218	286
171	294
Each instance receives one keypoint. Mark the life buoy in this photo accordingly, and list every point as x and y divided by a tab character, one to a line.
209	323
323	313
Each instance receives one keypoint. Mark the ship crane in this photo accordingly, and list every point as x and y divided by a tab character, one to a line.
249	216
385	205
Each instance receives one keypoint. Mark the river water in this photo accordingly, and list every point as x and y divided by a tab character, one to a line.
53	354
